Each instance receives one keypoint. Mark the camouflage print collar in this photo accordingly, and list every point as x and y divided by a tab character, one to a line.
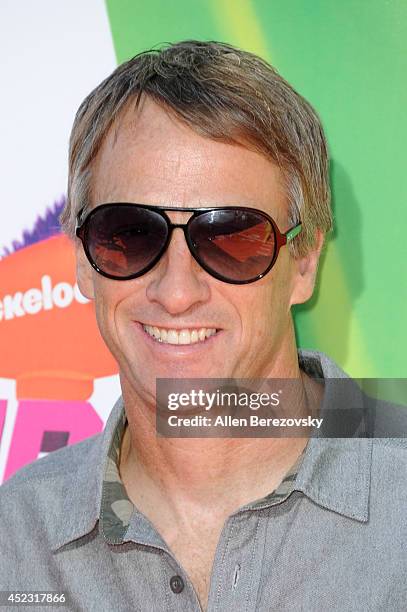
116	507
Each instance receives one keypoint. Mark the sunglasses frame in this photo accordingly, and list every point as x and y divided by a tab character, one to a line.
280	238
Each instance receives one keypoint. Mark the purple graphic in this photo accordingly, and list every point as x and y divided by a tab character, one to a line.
53	440
46	225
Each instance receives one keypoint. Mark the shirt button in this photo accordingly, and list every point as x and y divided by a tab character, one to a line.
176	584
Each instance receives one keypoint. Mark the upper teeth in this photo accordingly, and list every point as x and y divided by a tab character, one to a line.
183	336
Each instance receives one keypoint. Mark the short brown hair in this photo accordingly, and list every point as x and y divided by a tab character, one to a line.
223	93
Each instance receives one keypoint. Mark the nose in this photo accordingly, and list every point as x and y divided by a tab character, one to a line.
178	283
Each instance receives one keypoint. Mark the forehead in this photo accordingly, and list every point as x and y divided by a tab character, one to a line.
150	157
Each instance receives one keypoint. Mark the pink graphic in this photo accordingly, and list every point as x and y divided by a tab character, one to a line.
50	345
43	426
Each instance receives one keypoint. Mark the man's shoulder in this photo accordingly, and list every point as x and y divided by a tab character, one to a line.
58	466
388	482
386	427
391	454
50	501
59	493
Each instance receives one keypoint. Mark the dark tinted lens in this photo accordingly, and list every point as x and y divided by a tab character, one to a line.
238	245
123	240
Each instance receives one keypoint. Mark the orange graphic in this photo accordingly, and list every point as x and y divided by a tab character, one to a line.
50	343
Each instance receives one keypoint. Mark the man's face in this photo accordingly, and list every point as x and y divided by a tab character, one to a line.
152	158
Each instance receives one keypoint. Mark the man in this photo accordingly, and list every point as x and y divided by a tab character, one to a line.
198	201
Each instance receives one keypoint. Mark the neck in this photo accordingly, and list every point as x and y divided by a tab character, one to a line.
183	475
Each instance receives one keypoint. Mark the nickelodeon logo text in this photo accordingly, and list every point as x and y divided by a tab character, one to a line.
34	300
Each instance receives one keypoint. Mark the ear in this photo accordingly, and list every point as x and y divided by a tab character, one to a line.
83	271
305	274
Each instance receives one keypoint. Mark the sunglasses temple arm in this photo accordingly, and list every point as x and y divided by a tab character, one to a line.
79	223
293	232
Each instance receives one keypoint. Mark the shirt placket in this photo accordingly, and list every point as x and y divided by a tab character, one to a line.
235	574
236	571
238	563
177	591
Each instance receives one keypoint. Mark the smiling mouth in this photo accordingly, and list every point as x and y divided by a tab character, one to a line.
181	336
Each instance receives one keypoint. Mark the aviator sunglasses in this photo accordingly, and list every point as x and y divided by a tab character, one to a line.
234	244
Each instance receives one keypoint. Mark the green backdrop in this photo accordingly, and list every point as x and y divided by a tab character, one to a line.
349	59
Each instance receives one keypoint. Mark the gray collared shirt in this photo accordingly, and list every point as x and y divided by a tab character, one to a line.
336	542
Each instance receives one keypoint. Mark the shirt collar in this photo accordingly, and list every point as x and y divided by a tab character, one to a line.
85	485
121	521
334	472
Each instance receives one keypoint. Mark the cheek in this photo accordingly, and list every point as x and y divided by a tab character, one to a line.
282	281
254	311
103	316
267	306
109	295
